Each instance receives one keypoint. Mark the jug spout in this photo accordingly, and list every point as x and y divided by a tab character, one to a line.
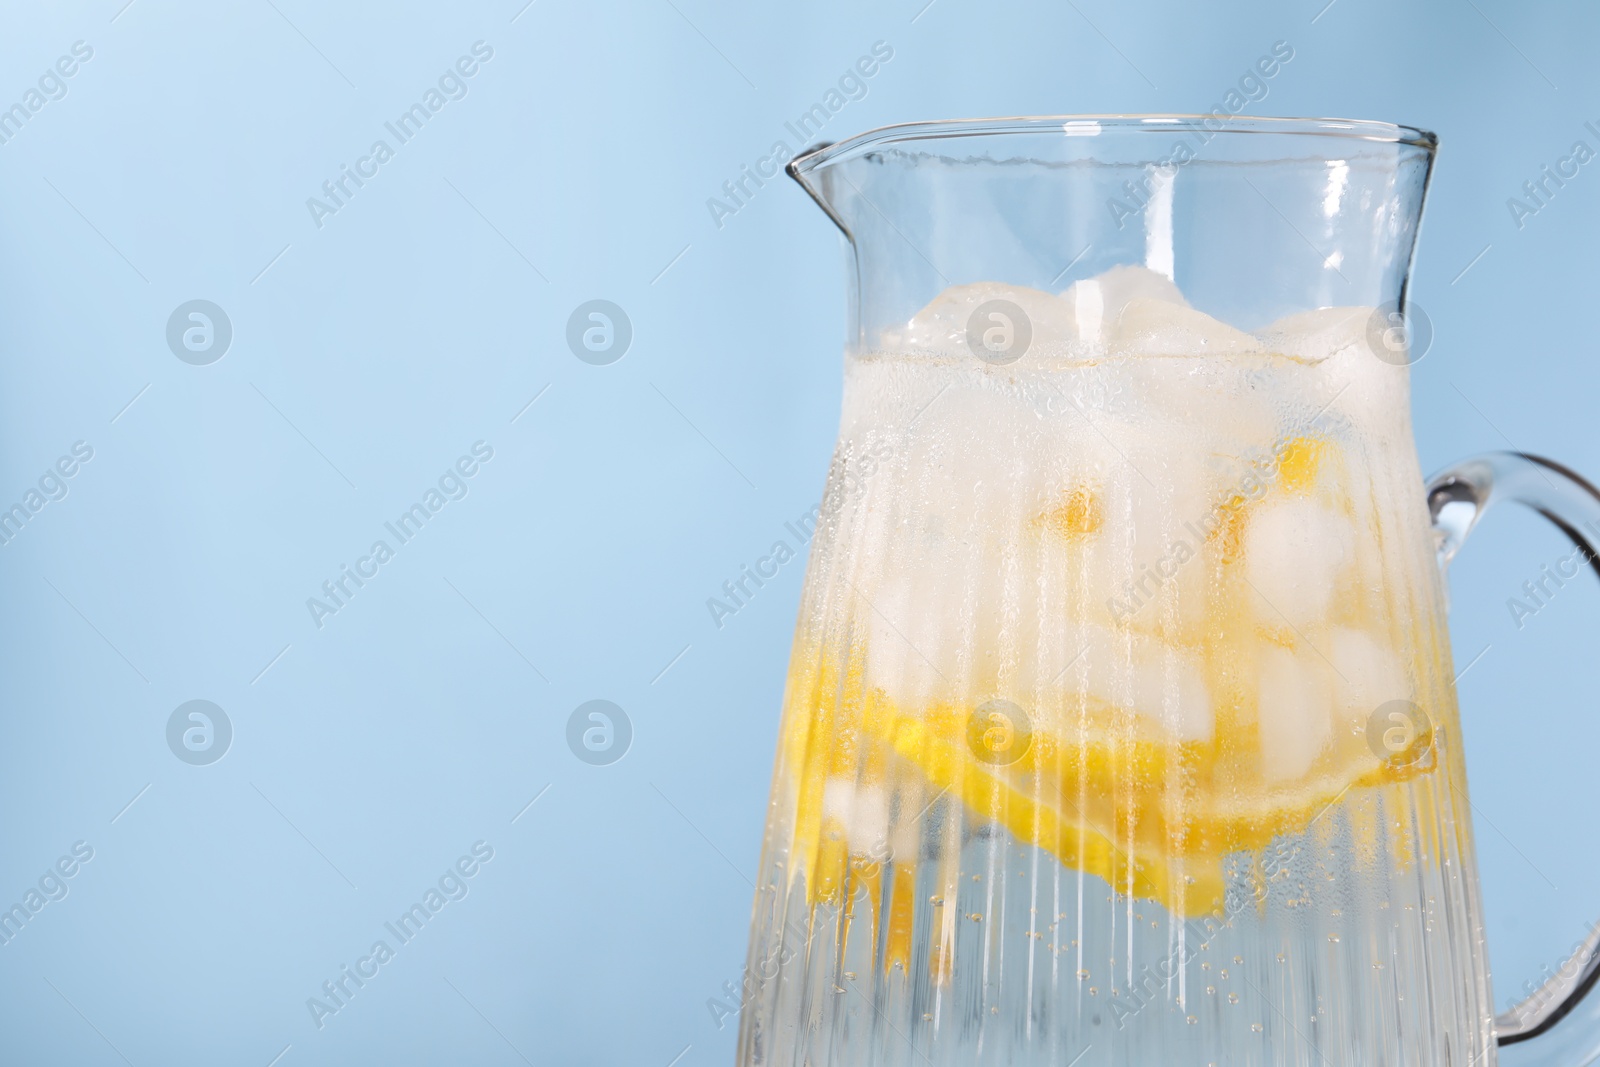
1039	203
801	169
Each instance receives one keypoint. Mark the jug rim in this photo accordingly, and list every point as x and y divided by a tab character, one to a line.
1093	125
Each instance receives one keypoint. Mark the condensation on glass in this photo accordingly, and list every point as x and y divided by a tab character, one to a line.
1120	724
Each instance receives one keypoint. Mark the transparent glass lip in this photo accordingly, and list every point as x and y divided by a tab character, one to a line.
1095	125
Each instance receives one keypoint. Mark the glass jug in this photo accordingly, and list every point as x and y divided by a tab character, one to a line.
1120	724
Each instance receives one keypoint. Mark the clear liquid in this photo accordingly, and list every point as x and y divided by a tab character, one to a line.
1214	845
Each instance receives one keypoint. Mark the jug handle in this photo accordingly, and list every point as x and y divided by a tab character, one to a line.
1457	498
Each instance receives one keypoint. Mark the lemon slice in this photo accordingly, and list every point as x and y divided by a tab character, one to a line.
1167	750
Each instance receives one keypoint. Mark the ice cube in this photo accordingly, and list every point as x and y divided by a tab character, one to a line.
973	466
1369	673
1171	688
1097	303
907	615
1294	712
1162	328
1162	684
1120	506
863	811
1295	551
946	324
905	834
1351	376
1154	539
1315	335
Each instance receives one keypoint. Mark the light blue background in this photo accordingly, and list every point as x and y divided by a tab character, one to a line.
375	350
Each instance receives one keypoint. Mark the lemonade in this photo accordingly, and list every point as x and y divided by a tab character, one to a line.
1129	644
